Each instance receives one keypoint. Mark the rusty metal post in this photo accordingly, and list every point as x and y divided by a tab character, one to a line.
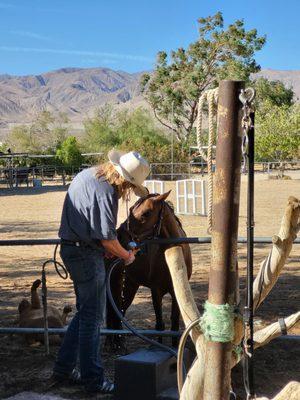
223	270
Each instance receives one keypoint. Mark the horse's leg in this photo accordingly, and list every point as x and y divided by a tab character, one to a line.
157	305
129	292
35	300
175	315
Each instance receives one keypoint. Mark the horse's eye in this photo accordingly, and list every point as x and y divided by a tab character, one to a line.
146	214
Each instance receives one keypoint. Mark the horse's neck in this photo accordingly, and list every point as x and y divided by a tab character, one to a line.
170	225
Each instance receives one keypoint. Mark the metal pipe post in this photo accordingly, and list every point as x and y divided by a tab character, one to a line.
223	270
45	310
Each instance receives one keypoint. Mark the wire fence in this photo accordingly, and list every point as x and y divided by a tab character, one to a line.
175	171
14	177
35	176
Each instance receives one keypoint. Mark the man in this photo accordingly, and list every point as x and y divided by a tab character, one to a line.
88	233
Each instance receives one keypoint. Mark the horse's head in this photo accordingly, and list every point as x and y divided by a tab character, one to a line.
146	215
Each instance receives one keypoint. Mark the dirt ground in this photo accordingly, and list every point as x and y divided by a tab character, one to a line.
35	213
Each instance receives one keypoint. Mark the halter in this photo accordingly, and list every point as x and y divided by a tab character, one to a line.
150	233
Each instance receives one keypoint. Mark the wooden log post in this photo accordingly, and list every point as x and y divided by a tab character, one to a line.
223	270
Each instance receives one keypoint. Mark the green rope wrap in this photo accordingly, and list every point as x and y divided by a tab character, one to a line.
238	351
217	323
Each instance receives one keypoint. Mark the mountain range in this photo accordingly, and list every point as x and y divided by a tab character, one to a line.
79	91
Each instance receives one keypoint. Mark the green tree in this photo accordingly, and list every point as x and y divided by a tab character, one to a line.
128	130
59	129
22	139
99	131
274	92
136	130
41	136
69	153
277	132
176	84
3	149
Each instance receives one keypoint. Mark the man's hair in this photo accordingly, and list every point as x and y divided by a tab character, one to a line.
108	171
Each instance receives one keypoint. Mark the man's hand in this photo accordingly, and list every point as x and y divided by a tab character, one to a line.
131	258
114	247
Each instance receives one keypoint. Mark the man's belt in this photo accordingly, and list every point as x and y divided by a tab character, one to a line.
78	243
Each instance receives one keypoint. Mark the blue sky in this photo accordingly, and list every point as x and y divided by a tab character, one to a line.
41	35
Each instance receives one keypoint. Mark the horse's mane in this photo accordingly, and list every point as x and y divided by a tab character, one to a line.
168	203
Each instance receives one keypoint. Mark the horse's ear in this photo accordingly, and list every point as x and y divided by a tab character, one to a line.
161	197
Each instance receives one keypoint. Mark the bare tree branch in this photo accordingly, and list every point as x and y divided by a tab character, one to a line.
265	335
282	245
166	125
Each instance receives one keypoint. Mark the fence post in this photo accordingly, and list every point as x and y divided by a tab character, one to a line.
185	196
194	196
223	269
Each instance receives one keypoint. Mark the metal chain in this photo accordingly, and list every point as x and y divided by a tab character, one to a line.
123	278
246	97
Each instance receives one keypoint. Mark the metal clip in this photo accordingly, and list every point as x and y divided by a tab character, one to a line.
132	245
247	95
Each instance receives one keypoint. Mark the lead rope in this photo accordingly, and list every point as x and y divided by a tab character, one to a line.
211	96
123	278
127	199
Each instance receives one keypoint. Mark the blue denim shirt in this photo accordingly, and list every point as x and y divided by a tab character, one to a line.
90	209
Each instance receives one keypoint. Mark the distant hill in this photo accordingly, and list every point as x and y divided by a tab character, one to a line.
79	91
75	91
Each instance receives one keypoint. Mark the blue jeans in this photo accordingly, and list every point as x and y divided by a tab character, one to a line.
87	270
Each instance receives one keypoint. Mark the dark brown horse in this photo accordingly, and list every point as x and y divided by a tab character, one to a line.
149	217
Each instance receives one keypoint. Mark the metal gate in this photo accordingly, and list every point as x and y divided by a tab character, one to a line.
191	197
155	186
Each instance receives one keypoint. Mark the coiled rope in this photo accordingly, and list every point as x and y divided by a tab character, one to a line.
211	96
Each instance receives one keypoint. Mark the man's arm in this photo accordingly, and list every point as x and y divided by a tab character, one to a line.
114	247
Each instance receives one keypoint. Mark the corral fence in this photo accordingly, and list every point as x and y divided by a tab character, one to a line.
176	171
13	177
35	176
190	240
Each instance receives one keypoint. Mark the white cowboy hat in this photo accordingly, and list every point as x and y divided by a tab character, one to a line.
133	167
